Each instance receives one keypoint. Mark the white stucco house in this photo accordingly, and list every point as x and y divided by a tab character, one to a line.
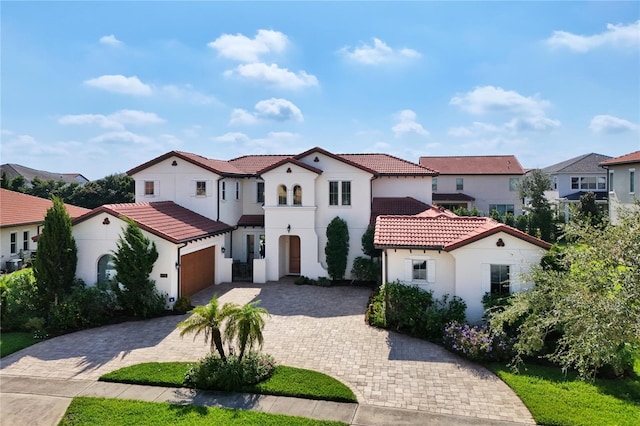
265	215
460	256
623	182
21	219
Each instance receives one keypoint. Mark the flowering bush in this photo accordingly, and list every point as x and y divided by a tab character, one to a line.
212	373
477	343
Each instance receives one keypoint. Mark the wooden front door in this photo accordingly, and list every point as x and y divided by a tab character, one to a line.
294	254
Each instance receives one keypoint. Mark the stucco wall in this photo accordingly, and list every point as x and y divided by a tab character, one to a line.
620	197
396	269
400	186
492	189
5	242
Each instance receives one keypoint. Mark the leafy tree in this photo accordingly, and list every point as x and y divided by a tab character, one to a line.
133	260
532	188
18	184
4	181
208	320
112	189
57	255
588	211
337	248
246	324
368	248
584	310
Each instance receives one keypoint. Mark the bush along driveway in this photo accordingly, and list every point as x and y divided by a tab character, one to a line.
311	327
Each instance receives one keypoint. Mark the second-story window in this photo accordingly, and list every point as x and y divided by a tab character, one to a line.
25	240
459	184
223	191
333	193
237	190
610	180
297	195
149	188
434	184
513	184
346	193
260	192
201	188
632	180
282	195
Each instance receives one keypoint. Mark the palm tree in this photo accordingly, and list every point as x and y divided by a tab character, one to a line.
208	319
246	324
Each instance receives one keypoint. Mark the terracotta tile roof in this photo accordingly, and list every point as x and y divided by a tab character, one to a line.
445	231
452	197
396	206
251	220
252	164
165	219
221	167
586	163
385	164
22	209
474	165
290	161
633	157
13	170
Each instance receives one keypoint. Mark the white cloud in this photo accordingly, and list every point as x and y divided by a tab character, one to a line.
269	109
110	40
188	93
477	128
232	137
117	120
272	143
616	35
407	124
244	49
608	124
378	53
120	84
488	99
122	136
274	75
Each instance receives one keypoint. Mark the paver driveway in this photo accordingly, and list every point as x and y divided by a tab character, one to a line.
311	327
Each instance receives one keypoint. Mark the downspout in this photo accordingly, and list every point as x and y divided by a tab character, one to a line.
179	265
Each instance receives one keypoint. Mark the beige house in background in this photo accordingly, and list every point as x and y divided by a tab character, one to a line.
623	182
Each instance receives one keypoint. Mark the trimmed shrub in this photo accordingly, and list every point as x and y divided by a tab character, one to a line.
85	307
414	311
183	305
20	300
366	269
213	373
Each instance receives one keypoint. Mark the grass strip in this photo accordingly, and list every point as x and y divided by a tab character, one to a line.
14	341
285	381
558	399
118	412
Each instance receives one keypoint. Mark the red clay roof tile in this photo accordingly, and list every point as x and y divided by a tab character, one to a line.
633	157
22	209
475	165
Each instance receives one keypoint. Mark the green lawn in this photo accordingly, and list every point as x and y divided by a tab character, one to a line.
107	412
14	341
556	399
286	381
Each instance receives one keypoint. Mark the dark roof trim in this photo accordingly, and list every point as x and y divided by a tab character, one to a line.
290	161
335	157
507	230
188	159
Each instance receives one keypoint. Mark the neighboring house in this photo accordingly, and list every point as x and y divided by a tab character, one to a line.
487	182
190	246
573	178
623	182
13	170
21	219
460	256
278	206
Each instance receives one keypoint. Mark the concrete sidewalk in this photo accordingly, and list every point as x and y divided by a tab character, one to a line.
38	401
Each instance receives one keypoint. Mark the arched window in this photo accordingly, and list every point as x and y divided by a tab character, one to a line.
297	195
282	195
106	268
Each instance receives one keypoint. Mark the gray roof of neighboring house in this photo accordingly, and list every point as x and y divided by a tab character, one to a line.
13	170
587	163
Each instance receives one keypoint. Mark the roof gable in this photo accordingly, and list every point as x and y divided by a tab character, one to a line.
13	170
290	161
220	167
474	165
17	209
441	231
388	165
633	157
165	219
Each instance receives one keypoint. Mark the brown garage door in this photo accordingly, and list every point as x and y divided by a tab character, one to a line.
197	271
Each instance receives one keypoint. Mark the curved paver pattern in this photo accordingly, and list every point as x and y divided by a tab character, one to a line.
311	327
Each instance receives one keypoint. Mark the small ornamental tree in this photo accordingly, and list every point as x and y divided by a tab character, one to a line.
368	248
134	259
337	248
54	267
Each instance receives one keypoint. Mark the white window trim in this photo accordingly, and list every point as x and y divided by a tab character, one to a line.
632	171
14	243
156	188
339	205
431	270
208	186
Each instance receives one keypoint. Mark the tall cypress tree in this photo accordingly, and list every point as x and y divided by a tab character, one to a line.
337	248
57	256
134	259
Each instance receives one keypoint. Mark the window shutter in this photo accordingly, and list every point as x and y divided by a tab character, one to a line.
156	188
431	271
193	190
140	187
408	271
486	278
209	184
515	283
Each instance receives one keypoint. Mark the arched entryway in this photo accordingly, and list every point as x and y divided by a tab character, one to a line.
294	255
289	255
106	268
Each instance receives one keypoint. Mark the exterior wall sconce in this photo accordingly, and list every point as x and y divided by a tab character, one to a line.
288	169
500	243
106	221
175	163
177	265
316	160
288	228
222	250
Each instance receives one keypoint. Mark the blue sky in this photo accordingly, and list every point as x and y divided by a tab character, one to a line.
100	87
